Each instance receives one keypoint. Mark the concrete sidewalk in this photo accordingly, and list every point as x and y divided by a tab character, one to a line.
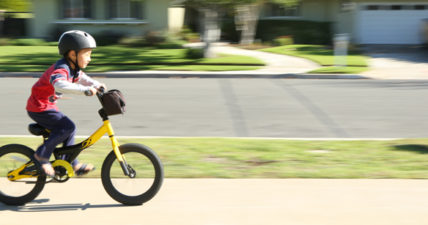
233	202
275	63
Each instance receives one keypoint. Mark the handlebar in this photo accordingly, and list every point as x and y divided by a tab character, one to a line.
99	94
89	93
102	90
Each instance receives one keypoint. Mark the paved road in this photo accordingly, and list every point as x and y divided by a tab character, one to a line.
284	108
233	202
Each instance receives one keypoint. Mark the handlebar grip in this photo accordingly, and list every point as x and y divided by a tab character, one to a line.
102	90
88	93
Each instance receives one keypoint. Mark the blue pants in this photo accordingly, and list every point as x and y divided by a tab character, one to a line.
62	131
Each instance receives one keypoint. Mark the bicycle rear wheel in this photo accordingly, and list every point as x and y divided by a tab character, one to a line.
133	190
21	191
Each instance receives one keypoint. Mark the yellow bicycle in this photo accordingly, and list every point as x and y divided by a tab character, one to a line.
131	174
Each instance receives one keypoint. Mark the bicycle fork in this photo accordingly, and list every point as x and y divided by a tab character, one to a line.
115	145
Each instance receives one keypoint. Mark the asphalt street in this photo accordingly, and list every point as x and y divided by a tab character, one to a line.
282	108
277	108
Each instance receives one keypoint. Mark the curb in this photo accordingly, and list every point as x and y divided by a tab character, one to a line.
181	74
253	138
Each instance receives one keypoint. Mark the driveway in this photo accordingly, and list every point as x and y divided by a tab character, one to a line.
397	61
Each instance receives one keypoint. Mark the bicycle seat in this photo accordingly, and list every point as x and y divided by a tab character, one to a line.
37	129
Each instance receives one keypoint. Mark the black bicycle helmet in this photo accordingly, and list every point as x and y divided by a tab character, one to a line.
75	40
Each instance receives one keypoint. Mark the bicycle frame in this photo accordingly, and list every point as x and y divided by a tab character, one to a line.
74	151
71	152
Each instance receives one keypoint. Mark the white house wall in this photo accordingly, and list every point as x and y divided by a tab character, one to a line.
155	13
45	11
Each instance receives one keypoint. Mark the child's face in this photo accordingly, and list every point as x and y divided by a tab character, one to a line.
84	57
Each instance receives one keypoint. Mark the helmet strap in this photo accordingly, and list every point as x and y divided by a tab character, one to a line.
76	66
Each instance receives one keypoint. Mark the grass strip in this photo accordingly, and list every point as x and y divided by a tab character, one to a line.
106	68
319	54
340	70
115	55
258	158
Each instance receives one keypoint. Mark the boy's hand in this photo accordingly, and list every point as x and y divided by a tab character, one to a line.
102	85
93	91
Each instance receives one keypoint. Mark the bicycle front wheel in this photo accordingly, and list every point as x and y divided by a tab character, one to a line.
21	191
145	181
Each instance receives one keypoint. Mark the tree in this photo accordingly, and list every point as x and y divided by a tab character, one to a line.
15	5
247	16
212	11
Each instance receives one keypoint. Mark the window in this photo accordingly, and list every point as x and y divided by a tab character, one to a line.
276	10
396	7
76	9
372	7
125	9
346	5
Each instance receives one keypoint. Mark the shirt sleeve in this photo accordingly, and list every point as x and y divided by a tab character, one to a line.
65	87
85	80
57	77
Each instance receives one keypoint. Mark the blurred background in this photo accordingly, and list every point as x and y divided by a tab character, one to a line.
170	24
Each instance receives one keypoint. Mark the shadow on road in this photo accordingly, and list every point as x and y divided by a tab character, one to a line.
421	149
31	207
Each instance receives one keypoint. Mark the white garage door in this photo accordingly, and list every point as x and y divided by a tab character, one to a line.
392	24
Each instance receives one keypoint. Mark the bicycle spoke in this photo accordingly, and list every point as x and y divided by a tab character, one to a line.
11	162
144	175
19	159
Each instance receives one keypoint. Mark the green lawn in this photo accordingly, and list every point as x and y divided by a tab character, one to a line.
319	54
39	58
257	158
106	68
341	70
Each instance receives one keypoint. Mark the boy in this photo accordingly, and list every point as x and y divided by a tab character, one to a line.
66	77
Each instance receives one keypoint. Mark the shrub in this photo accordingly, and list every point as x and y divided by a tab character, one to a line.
153	38
184	32
303	32
52	43
194	53
284	40
56	31
5	41
171	45
108	37
133	42
187	34
229	31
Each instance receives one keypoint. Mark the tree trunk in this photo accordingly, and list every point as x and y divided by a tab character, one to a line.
211	31
1	22
248	16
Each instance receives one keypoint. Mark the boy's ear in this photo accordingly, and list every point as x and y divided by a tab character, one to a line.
72	54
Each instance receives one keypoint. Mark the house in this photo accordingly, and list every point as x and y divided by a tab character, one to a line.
366	21
128	17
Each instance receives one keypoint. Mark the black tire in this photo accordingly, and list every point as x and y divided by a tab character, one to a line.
32	188
143	194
